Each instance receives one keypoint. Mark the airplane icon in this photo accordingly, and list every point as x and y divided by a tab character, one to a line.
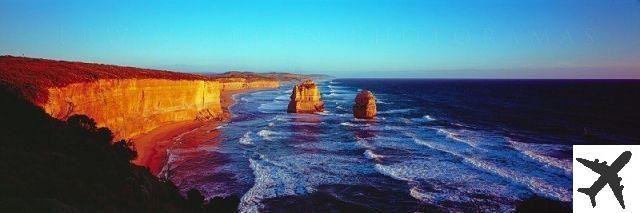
608	175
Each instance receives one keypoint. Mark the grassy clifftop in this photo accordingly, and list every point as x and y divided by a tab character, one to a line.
30	77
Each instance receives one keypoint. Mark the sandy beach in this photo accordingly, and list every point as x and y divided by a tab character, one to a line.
152	146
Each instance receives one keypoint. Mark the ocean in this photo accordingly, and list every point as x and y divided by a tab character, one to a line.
451	145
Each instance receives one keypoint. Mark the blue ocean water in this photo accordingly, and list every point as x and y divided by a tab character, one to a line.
450	145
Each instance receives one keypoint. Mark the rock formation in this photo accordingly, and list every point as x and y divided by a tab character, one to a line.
365	105
129	101
305	98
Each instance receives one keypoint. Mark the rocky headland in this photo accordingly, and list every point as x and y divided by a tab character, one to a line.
129	101
305	98
365	105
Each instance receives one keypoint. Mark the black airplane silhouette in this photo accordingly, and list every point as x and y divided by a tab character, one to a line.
608	175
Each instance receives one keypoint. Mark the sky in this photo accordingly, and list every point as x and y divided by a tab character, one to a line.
383	39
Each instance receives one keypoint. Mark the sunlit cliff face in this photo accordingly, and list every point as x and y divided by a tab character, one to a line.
133	106
127	100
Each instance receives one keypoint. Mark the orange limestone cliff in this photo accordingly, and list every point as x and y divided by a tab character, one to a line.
365	105
134	106
305	98
129	101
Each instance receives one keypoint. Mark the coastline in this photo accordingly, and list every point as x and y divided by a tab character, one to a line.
152	146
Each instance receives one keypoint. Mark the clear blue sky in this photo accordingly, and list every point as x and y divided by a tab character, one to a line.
452	39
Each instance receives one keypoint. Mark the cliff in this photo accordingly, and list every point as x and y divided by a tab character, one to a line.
305	98
133	106
365	105
129	101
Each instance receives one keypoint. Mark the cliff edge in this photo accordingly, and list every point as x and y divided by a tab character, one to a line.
129	101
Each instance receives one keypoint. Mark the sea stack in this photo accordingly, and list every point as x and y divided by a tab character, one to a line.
365	105
305	98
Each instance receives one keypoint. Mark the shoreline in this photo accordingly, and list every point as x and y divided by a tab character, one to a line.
152	146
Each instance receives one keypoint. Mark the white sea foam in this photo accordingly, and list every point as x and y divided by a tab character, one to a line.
536	152
275	106
266	180
391	172
456	136
353	124
279	176
473	155
280	118
534	184
424	142
267	134
369	154
222	126
326	112
283	97
421	195
448	182
428	117
364	143
396	111
246	139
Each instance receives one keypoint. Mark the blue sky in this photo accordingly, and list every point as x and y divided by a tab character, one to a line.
441	39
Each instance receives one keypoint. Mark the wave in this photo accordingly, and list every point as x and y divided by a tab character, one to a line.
534	184
457	136
428	118
510	171
406	120
391	172
246	139
325	112
378	101
422	196
369	154
536	152
274	106
283	98
396	111
353	124
267	134
222	126
424	142
364	143
295	174
280	118
164	172
450	182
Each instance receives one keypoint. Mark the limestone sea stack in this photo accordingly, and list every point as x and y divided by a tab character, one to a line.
365	105
305	98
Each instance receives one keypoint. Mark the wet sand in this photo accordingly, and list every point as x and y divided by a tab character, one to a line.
152	146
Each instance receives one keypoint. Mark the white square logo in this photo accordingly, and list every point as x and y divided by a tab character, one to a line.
605	178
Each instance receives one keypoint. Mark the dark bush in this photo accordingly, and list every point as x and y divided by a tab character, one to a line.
47	165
